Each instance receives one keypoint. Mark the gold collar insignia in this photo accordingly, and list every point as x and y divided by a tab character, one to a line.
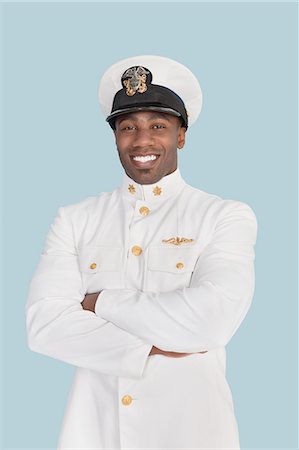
157	190
131	189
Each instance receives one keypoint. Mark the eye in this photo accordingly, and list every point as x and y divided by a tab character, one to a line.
159	126
128	128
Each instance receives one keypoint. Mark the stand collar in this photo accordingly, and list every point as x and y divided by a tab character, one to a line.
168	186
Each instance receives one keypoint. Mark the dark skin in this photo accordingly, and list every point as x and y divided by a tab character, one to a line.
146	133
142	134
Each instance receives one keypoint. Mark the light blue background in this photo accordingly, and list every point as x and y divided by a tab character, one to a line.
59	150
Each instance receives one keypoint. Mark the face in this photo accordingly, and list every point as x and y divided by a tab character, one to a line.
147	143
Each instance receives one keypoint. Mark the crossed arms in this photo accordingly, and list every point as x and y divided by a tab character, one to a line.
89	303
126	325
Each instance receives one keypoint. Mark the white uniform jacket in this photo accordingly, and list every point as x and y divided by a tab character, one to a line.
175	267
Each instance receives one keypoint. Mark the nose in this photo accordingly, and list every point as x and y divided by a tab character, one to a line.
143	138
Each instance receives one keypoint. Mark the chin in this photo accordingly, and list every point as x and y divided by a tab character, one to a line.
143	177
146	178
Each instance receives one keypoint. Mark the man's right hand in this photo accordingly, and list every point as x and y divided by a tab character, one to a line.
158	351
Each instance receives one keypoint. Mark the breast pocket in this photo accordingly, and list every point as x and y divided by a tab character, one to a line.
100	267
170	268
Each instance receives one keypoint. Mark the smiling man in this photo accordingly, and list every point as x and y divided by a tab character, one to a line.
147	144
143	287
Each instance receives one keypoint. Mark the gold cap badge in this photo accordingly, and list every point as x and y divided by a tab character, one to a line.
135	79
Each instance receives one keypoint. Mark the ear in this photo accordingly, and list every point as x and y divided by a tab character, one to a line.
181	137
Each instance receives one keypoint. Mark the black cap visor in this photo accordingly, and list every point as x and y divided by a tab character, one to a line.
163	109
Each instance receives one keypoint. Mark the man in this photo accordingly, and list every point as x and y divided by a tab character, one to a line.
142	288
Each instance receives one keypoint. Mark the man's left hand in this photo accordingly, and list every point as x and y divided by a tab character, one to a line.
89	301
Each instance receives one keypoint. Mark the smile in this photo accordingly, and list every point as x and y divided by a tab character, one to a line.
145	159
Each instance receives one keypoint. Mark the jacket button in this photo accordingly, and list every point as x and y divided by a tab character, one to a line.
93	266
136	250
179	265
144	210
126	400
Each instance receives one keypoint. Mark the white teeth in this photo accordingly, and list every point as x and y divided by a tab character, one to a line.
144	159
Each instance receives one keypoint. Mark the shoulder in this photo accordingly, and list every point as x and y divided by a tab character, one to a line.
217	207
88	206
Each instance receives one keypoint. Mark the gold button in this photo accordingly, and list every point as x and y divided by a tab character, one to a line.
136	250
93	266
179	265
126	400
144	210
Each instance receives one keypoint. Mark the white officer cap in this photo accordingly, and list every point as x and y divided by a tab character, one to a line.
150	83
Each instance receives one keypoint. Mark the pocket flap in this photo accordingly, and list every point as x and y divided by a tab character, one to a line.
172	259
93	259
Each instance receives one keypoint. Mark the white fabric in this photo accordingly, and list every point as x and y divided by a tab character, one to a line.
177	403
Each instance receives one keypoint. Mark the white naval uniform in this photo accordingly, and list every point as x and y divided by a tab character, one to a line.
184	298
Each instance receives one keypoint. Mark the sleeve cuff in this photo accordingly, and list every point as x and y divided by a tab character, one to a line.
107	300
135	359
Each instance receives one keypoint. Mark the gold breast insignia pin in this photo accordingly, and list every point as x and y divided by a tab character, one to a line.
177	241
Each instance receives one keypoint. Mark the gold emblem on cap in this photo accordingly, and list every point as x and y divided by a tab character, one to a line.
135	80
157	190
177	241
131	189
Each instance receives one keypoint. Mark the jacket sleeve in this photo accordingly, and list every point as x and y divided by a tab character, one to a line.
206	314
58	326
